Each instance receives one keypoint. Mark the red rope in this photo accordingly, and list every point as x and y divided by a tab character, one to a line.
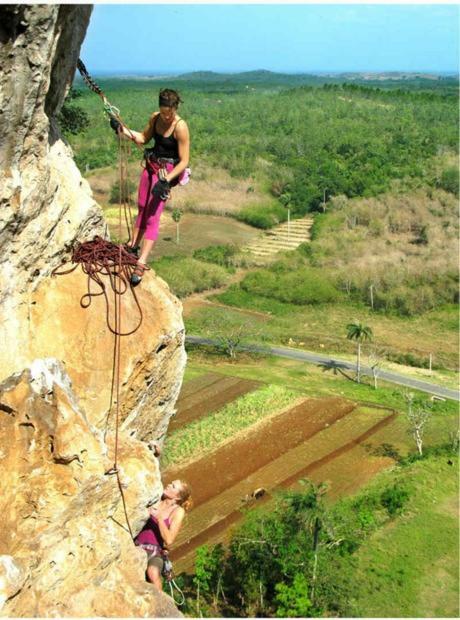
99	258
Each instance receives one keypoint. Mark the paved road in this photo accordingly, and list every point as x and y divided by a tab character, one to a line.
392	377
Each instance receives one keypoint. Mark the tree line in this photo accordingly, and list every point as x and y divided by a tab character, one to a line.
305	142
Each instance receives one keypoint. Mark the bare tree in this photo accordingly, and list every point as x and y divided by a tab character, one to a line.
233	337
231	342
375	364
418	415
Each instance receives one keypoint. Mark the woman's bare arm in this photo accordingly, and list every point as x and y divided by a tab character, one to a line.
169	533
140	137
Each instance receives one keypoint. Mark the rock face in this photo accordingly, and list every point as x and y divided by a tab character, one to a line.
64	543
64	547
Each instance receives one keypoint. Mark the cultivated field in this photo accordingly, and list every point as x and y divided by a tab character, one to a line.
327	439
205	394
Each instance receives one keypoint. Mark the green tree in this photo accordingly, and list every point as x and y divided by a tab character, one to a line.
292	600
359	332
207	579
72	118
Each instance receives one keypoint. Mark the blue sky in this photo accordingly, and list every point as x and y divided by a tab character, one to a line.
173	38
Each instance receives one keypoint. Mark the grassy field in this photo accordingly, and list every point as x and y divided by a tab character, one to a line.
322	327
410	567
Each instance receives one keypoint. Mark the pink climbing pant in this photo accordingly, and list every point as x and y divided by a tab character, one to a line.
150	207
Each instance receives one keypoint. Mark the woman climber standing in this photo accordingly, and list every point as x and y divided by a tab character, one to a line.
165	166
162	527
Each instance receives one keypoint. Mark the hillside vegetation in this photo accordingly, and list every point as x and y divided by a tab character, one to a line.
384	159
404	246
298	142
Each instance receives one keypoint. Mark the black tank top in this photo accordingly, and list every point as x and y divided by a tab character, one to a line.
165	146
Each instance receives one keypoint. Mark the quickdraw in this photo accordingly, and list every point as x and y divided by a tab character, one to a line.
110	109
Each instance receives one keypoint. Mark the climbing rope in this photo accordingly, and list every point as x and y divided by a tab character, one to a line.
173	584
100	260
108	107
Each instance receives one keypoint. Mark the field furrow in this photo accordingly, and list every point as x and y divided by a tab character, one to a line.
257	448
341	441
209	399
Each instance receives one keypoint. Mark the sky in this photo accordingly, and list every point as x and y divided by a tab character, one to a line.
159	39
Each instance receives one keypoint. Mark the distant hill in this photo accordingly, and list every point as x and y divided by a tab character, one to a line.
271	81
262	77
256	76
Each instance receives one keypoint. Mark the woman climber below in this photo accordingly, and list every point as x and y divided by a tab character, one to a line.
162	527
165	166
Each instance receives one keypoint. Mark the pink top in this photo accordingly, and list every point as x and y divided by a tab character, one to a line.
150	533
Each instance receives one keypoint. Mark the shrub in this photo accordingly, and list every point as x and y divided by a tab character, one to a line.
305	249
218	254
449	181
293	600
263	216
301	286
72	119
394	499
409	359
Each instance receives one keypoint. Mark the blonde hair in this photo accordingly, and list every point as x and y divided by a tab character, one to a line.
185	499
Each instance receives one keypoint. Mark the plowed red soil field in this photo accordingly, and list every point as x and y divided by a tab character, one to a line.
206	394
322	439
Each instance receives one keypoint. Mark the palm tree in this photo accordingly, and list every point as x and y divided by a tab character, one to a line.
359	332
317	522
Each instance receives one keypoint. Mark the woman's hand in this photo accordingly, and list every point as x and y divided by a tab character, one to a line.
162	189
116	125
153	511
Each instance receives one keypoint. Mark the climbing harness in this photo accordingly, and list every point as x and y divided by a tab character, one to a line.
168	574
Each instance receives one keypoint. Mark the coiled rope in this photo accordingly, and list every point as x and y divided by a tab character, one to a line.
99	258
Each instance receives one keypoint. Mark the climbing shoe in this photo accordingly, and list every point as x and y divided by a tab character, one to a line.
136	276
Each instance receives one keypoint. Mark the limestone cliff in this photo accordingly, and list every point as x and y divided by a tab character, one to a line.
64	550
